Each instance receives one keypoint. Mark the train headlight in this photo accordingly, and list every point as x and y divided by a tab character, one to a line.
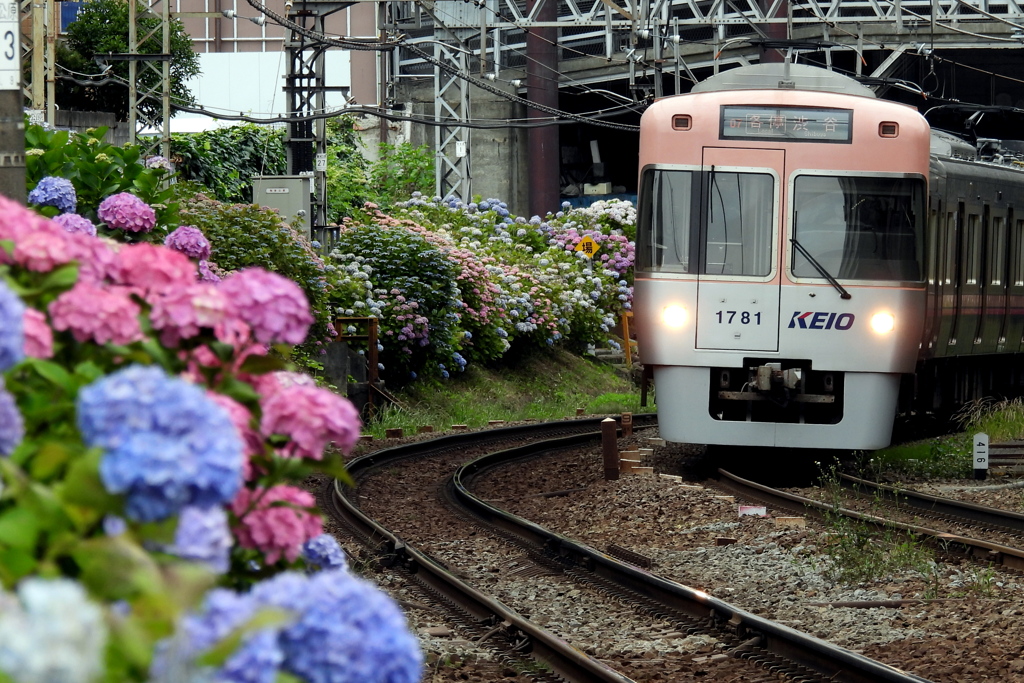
674	316
883	323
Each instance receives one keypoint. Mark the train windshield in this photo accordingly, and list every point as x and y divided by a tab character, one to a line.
729	232
859	228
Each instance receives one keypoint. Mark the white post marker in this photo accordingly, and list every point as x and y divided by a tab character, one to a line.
10	57
980	456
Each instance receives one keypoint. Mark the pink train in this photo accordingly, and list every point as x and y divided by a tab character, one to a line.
812	259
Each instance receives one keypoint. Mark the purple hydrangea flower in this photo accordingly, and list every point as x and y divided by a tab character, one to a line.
12	425
12	328
157	161
114	525
168	446
54	191
125	211
72	222
207	275
190	241
324	552
203	536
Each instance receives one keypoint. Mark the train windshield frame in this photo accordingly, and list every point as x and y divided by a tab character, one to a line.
859	227
705	221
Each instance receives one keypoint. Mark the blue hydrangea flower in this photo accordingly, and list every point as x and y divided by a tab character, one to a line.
12	425
54	191
203	536
12	328
349	632
167	445
324	553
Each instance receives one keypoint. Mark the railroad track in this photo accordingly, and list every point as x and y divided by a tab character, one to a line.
945	509
773	649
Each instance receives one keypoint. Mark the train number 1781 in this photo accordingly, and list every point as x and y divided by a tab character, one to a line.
742	317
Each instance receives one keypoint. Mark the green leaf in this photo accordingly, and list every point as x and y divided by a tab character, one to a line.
333	466
19	528
82	485
260	365
267	617
54	373
243	392
14	564
50	457
60	278
115	568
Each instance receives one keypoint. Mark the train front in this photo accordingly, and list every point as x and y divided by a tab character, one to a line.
779	291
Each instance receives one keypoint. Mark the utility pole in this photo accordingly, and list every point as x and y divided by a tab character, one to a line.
12	116
306	90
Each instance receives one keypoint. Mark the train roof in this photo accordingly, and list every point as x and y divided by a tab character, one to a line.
785	76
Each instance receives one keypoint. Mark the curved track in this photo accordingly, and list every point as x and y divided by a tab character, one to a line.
771	645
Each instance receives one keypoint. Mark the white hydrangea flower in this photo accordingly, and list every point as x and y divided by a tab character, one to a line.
51	633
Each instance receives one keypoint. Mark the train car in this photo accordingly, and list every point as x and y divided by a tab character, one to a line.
781	289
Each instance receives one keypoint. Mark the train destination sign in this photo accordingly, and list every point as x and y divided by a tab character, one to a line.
793	124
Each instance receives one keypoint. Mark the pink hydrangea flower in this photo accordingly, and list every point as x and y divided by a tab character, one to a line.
311	417
275	530
190	241
100	314
16	221
241	418
97	260
274	307
38	335
153	269
72	222
42	249
125	211
269	384
180	313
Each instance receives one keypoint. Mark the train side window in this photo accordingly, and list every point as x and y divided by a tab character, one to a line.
1018	253
972	252
997	252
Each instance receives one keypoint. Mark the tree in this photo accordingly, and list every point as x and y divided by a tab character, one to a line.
101	28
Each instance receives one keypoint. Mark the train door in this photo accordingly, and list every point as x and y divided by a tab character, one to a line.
992	333
968	325
1015	307
737	287
949	279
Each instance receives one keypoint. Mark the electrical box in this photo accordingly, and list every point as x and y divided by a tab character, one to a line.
289	194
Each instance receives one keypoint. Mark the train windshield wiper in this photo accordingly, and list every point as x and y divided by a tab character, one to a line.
843	294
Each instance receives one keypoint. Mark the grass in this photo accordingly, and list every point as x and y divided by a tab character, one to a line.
549	385
950	456
862	552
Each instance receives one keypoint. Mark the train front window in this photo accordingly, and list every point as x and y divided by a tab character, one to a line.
859	228
727	232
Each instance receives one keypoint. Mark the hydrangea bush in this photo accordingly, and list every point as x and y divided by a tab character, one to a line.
74	172
150	525
453	283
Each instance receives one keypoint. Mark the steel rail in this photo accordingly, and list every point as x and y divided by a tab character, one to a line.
1011	558
521	634
1006	519
833	662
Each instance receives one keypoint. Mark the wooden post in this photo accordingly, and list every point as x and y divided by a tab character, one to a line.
626	315
610	448
627	424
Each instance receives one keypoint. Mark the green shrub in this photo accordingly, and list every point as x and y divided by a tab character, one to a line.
243	235
97	170
225	160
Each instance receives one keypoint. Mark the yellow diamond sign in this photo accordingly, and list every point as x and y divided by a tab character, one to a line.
588	246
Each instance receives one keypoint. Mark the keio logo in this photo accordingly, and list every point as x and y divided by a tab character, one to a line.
821	320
